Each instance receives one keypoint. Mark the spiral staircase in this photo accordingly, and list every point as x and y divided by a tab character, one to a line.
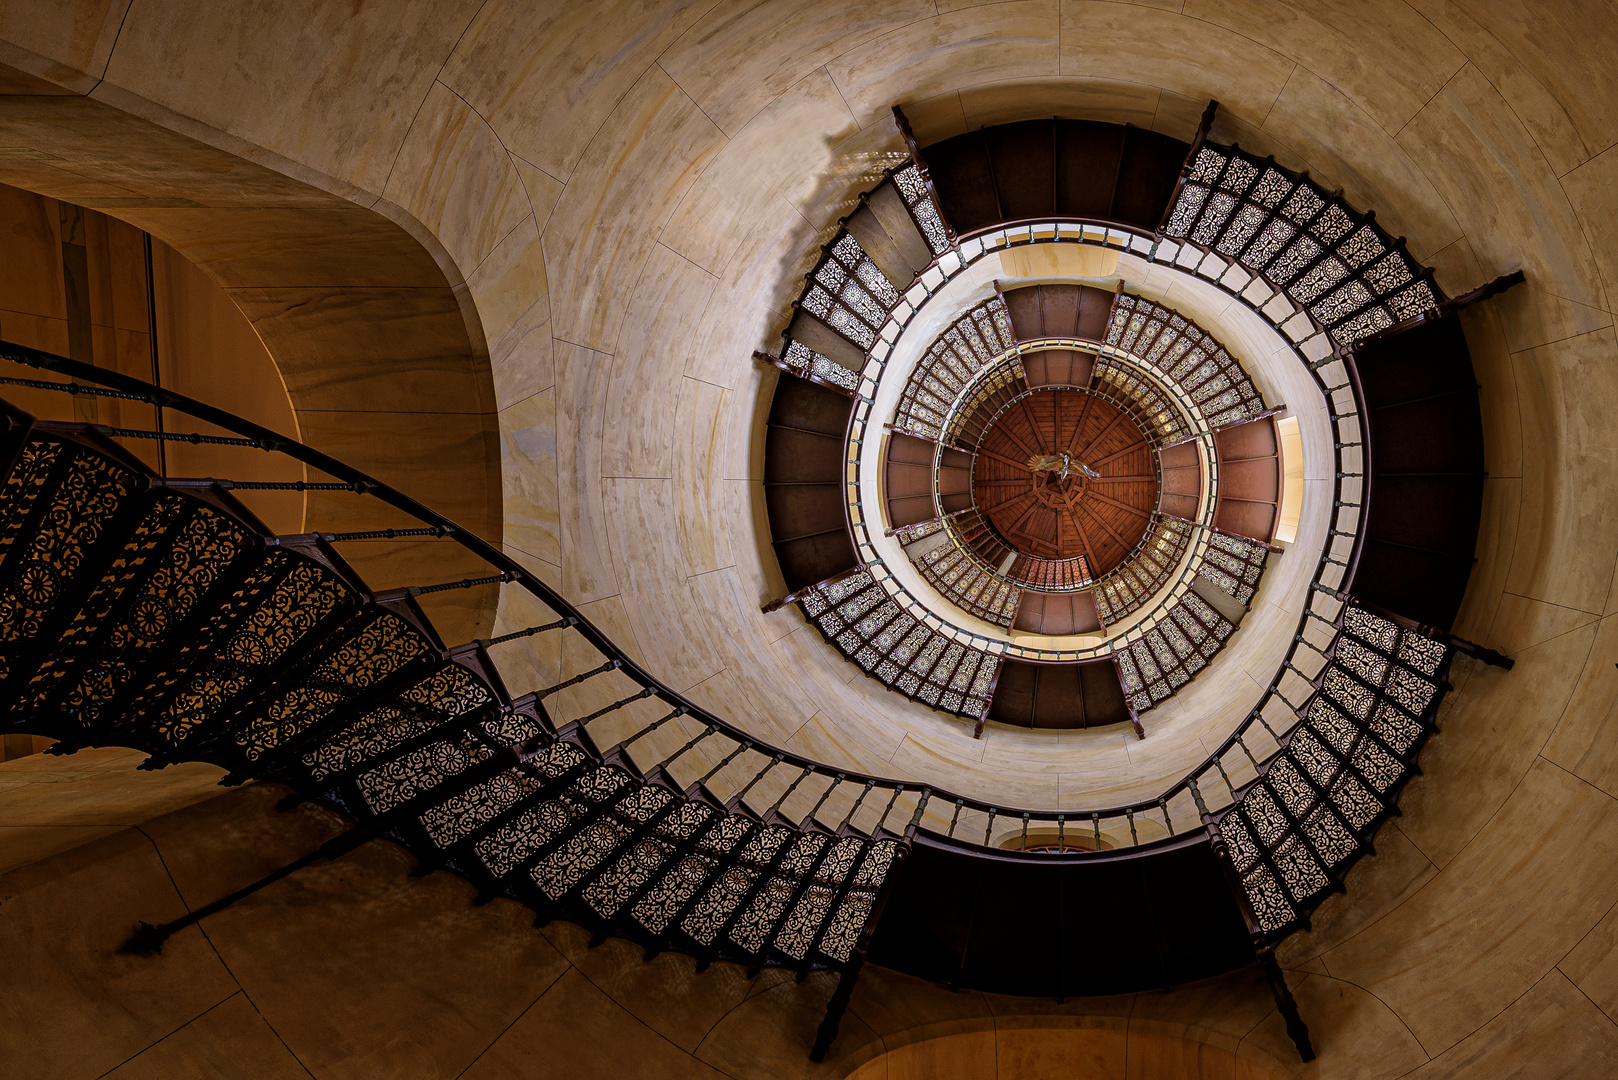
158	613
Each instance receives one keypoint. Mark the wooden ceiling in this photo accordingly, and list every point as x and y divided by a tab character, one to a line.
1043	516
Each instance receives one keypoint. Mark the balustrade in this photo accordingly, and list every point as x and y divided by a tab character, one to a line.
155	613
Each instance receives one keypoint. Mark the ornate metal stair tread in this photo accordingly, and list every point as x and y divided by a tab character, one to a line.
160	617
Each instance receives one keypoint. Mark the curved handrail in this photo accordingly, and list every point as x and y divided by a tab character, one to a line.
369	485
271	441
1040	230
1015	856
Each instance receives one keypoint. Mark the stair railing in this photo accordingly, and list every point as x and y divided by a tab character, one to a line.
1342	401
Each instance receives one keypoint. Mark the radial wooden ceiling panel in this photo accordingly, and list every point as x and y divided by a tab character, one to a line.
1040	513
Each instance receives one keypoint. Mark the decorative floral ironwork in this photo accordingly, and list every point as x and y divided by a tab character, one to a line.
1318	803
856	614
1339	264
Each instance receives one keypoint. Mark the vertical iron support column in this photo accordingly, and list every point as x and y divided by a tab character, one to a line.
1285	1003
840	997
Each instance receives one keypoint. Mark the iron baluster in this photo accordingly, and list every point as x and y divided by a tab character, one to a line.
610	665
583	721
736	800
1250	757
386	534
882	823
359	487
675	713
559	624
663	766
389	595
194	438
809	821
790	788
711	773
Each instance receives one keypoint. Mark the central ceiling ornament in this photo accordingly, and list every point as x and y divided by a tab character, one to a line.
1062	473
1059	464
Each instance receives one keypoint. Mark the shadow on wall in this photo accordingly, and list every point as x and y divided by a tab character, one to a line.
75	283
848	174
1060	1048
384	367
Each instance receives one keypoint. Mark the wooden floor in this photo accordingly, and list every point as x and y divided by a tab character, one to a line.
1043	515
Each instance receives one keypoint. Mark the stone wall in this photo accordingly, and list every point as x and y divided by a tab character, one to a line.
628	190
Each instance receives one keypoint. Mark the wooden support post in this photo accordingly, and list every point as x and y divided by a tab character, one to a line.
1204	126
836	1007
1286	1003
902	122
1134	717
983	717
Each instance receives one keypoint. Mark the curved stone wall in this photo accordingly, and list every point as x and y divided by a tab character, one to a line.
677	161
377	340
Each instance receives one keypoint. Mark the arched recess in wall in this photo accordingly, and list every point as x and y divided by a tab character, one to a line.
383	356
78	283
1062	1048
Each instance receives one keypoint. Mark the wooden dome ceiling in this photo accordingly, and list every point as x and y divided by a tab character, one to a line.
1059	513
